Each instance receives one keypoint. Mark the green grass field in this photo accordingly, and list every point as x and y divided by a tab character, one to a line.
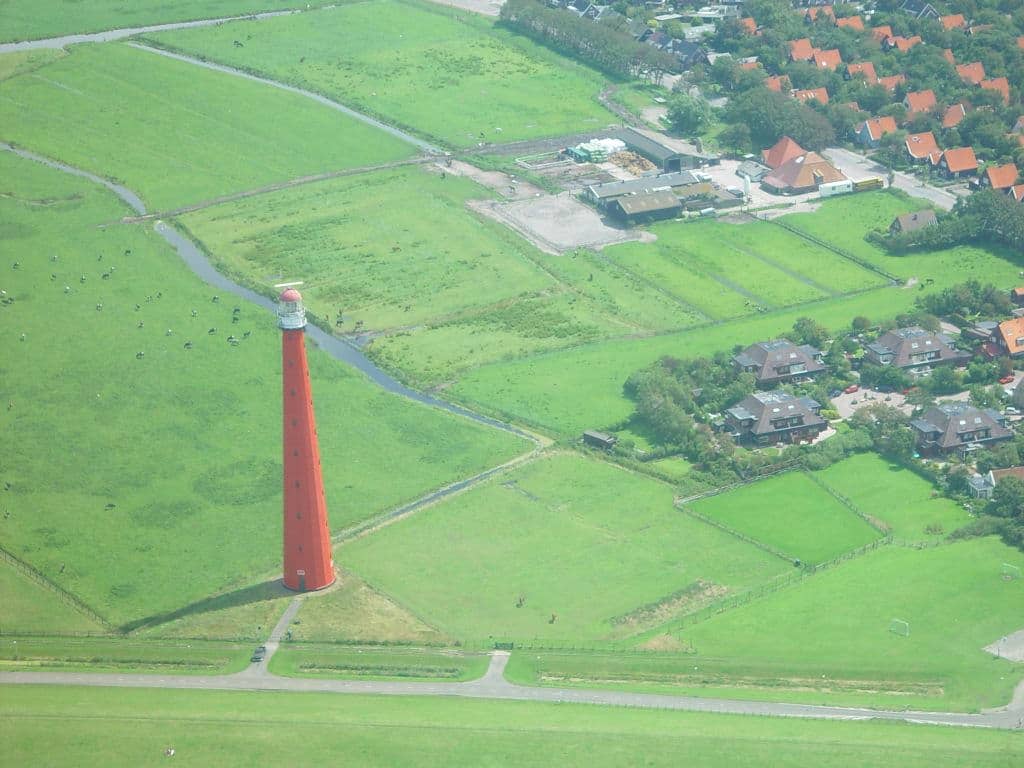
375	663
601	549
29	607
102	654
103	727
153	483
894	495
445	74
25	20
792	515
175	133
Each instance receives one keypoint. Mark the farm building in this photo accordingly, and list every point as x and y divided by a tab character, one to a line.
911	222
753	170
782	151
602	194
599	439
766	418
773	362
669	155
802	174
915	350
958	427
649	206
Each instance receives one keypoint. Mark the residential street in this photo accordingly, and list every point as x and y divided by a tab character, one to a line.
856	167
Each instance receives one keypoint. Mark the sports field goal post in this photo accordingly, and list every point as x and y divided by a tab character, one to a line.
1010	572
900	627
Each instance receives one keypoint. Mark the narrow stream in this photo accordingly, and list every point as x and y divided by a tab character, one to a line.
196	260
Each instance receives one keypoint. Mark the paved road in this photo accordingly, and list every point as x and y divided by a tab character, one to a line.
494	686
857	167
120	34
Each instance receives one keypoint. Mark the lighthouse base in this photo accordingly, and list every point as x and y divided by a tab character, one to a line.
302	583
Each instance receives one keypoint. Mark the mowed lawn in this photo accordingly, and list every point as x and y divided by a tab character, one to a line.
386	250
581	542
177	133
894	495
151	478
134	727
836	624
791	514
28	20
446	74
29	607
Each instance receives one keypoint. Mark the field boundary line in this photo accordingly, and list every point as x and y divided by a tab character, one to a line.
733	532
65	597
801	278
875	523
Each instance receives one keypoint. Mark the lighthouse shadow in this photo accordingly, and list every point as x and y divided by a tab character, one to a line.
267	590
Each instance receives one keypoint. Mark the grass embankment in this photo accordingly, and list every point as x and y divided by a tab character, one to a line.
176	133
566	549
28	20
102	727
30	607
446	74
152	479
372	663
100	654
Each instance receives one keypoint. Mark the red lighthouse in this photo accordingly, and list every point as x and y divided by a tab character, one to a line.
308	563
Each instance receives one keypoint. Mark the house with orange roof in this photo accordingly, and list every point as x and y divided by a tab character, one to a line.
901	44
972	73
783	150
922	146
1000	176
920	101
1016	192
1000	84
958	162
892	81
829	59
812	14
865	69
870	132
750	64
953	115
881	34
801	50
1020	42
851	22
953	21
1011	334
777	83
819	94
855	106
947	54
804	173
748	25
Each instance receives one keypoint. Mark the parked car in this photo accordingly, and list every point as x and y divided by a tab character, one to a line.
259	654
852	388
1011	411
1006	379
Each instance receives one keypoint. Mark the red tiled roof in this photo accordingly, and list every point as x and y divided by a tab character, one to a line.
829	59
881	33
1016	192
851	22
1000	84
1001	176
749	65
865	68
903	44
803	172
972	73
960	159
749	25
1012	331
953	115
947	54
856	107
1020	41
922	146
813	93
877	127
954	21
784	149
801	50
777	83
825	10
920	101
890	83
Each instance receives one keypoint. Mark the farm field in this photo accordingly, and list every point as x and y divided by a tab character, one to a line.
30	607
102	654
124	471
134	727
175	133
374	663
26	20
792	515
446	74
588	551
895	496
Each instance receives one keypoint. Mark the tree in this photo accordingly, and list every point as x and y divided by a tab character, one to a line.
860	323
771	115
944	381
736	137
1007	499
688	114
809	331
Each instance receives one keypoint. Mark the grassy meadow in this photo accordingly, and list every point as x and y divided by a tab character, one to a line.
153	477
26	20
792	515
175	133
102	727
565	548
30	607
103	654
446	74
336	662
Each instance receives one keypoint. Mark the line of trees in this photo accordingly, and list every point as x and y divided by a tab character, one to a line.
600	45
985	216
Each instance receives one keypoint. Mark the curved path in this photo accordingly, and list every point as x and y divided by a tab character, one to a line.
493	685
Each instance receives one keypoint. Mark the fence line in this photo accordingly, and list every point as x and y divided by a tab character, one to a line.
733	532
836	250
879	526
66	597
